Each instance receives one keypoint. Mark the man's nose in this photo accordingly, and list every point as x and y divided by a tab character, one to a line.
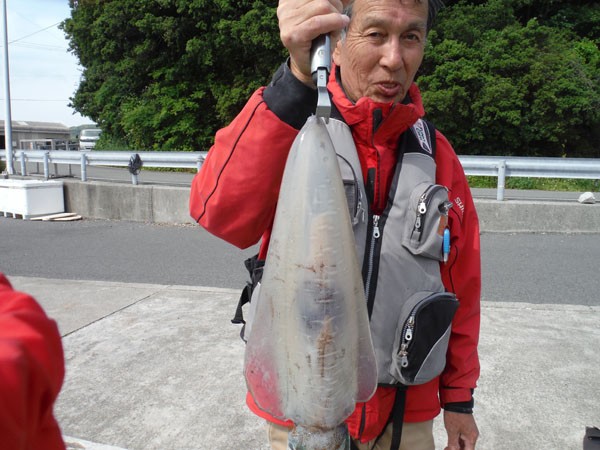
392	55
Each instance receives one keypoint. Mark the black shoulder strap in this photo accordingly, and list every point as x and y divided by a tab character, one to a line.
397	416
396	419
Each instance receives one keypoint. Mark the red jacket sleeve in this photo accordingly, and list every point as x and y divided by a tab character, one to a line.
234	195
31	373
461	275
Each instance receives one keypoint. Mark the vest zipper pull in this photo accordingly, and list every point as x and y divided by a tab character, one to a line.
376	233
421	210
403	355
408	335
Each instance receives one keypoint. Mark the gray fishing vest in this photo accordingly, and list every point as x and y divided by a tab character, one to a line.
400	252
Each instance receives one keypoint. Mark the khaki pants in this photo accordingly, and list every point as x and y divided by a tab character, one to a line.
415	436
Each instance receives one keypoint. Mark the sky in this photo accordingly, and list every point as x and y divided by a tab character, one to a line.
43	74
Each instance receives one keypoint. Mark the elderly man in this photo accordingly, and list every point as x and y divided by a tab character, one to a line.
401	161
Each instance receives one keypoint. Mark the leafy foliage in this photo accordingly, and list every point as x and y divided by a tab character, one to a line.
166	74
514	77
542	184
498	85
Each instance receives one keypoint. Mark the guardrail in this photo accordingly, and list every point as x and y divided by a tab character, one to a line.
130	159
521	166
497	166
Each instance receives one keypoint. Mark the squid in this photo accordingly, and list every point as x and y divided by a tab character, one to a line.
309	356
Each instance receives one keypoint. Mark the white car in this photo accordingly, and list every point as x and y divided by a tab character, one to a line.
88	138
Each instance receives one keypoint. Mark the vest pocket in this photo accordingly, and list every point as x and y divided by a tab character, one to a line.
426	219
422	335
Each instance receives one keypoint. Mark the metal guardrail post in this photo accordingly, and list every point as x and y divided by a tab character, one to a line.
46	166
501	181
497	166
23	165
134	179
83	167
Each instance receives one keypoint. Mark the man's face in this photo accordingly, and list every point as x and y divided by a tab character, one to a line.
383	49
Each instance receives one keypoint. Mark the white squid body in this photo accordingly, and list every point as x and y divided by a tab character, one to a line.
309	356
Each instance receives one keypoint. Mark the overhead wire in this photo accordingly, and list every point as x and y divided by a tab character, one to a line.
34	33
35	45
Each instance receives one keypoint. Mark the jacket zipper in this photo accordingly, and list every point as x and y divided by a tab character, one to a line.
423	206
373	240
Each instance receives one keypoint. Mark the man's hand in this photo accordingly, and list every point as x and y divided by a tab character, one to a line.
301	21
462	431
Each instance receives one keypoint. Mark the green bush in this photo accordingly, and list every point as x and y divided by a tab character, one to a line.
498	85
509	77
107	142
543	184
166	74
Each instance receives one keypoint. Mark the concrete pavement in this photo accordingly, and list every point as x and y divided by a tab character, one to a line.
160	367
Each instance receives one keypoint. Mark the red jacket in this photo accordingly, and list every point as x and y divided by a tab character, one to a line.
31	373
235	195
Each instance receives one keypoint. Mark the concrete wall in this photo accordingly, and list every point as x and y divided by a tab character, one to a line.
142	203
165	204
539	216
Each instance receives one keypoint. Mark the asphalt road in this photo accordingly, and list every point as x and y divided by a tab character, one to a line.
532	268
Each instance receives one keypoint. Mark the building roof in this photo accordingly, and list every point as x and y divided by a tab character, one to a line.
21	125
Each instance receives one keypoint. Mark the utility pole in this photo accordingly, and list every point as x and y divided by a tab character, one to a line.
8	116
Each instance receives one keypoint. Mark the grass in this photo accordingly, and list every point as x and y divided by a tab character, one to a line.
543	184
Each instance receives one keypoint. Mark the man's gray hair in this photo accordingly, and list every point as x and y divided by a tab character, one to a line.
432	10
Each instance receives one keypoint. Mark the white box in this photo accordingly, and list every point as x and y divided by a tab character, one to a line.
30	198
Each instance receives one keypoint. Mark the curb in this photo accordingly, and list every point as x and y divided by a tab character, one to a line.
79	444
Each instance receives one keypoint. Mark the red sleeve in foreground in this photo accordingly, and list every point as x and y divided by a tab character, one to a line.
31	373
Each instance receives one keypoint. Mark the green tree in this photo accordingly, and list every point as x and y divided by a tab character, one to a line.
580	16
496	85
515	77
166	74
